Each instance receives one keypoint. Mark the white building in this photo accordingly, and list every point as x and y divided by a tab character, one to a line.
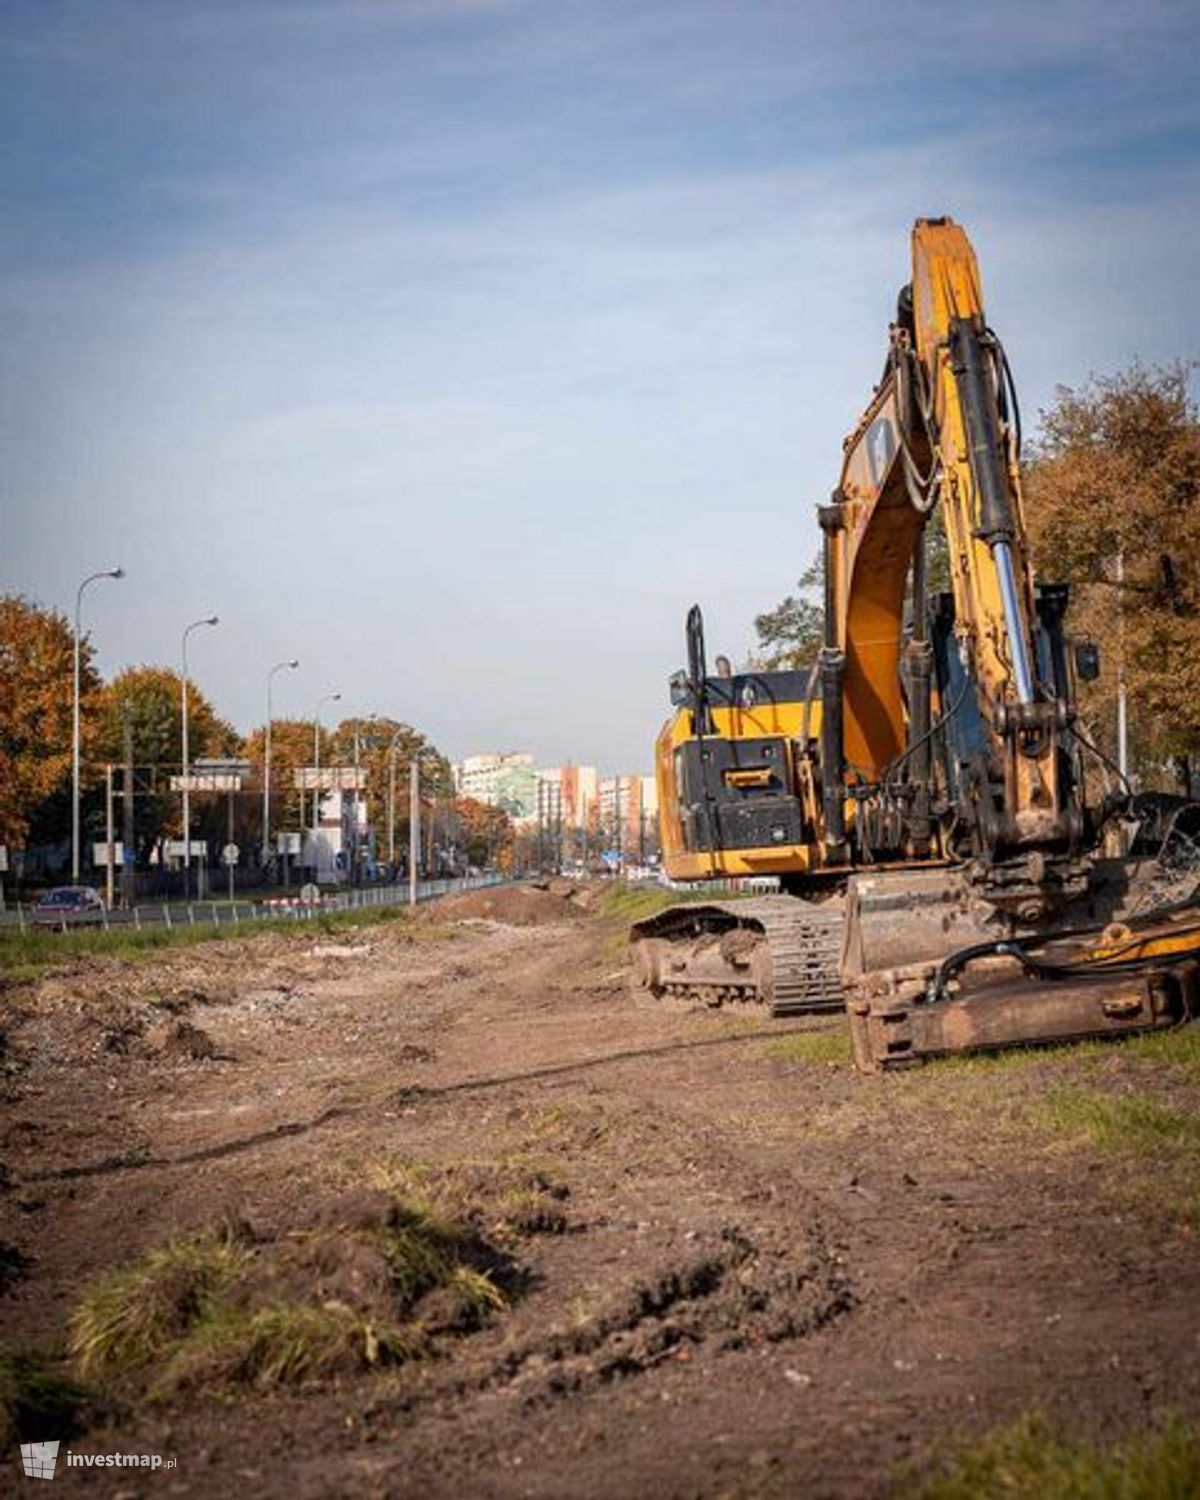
508	780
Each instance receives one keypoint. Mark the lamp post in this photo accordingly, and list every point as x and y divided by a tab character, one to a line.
91	578
316	823
187	764
266	818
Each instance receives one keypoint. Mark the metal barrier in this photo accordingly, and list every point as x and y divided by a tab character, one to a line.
170	914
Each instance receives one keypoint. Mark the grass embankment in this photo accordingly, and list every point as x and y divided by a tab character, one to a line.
26	954
1029	1460
370	1281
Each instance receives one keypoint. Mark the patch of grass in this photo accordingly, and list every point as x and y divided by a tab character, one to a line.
422	1251
25	955
1137	1124
374	1288
513	1195
37	1401
1027	1460
1153	1144
814	1047
282	1344
1179	1048
129	1317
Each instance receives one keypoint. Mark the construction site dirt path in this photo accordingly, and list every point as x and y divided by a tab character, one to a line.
771	1277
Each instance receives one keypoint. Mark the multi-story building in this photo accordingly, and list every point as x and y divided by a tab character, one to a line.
566	796
507	780
627	810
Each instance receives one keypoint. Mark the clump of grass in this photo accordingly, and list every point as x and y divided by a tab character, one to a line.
371	1280
1029	1460
37	1401
422	1251
513	1195
132	1315
282	1344
831	1046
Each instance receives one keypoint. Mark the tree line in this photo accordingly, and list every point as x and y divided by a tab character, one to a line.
36	711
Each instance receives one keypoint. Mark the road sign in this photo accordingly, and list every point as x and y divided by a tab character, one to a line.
207	781
310	894
288	843
176	849
230	854
330	779
100	853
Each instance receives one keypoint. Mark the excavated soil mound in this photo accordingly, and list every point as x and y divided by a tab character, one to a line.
514	905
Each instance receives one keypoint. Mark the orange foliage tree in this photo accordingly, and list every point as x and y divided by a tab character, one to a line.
36	704
1113	499
151	698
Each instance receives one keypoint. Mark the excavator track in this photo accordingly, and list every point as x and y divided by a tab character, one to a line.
779	952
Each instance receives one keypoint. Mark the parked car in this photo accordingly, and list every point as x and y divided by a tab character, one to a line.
68	906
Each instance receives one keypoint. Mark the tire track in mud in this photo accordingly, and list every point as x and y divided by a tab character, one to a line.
143	1161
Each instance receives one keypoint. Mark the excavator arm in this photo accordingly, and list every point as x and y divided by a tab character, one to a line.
940	437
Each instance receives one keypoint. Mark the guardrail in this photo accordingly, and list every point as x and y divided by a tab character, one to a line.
233	913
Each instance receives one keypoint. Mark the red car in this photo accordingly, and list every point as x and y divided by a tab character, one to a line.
68	906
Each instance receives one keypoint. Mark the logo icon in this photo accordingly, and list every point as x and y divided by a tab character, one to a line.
39	1459
881	448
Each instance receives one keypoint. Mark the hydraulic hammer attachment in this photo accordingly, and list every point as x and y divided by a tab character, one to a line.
927	971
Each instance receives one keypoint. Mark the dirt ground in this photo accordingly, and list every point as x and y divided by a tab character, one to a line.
752	1272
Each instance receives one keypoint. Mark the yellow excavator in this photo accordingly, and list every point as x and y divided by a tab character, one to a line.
919	793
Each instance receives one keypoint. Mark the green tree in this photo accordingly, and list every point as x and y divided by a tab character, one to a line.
790	635
1113	496
36	711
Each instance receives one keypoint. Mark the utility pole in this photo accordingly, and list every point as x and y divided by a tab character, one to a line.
128	872
414	828
91	578
187	765
266	813
316	822
1122	704
108	836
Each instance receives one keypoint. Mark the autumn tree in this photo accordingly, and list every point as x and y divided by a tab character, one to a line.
1113	499
383	743
36	711
150	697
484	832
292	747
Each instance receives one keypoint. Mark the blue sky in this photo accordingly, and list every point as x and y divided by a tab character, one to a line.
457	347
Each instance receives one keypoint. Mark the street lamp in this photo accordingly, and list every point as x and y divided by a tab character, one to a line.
316	827
187	764
91	578
266	819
